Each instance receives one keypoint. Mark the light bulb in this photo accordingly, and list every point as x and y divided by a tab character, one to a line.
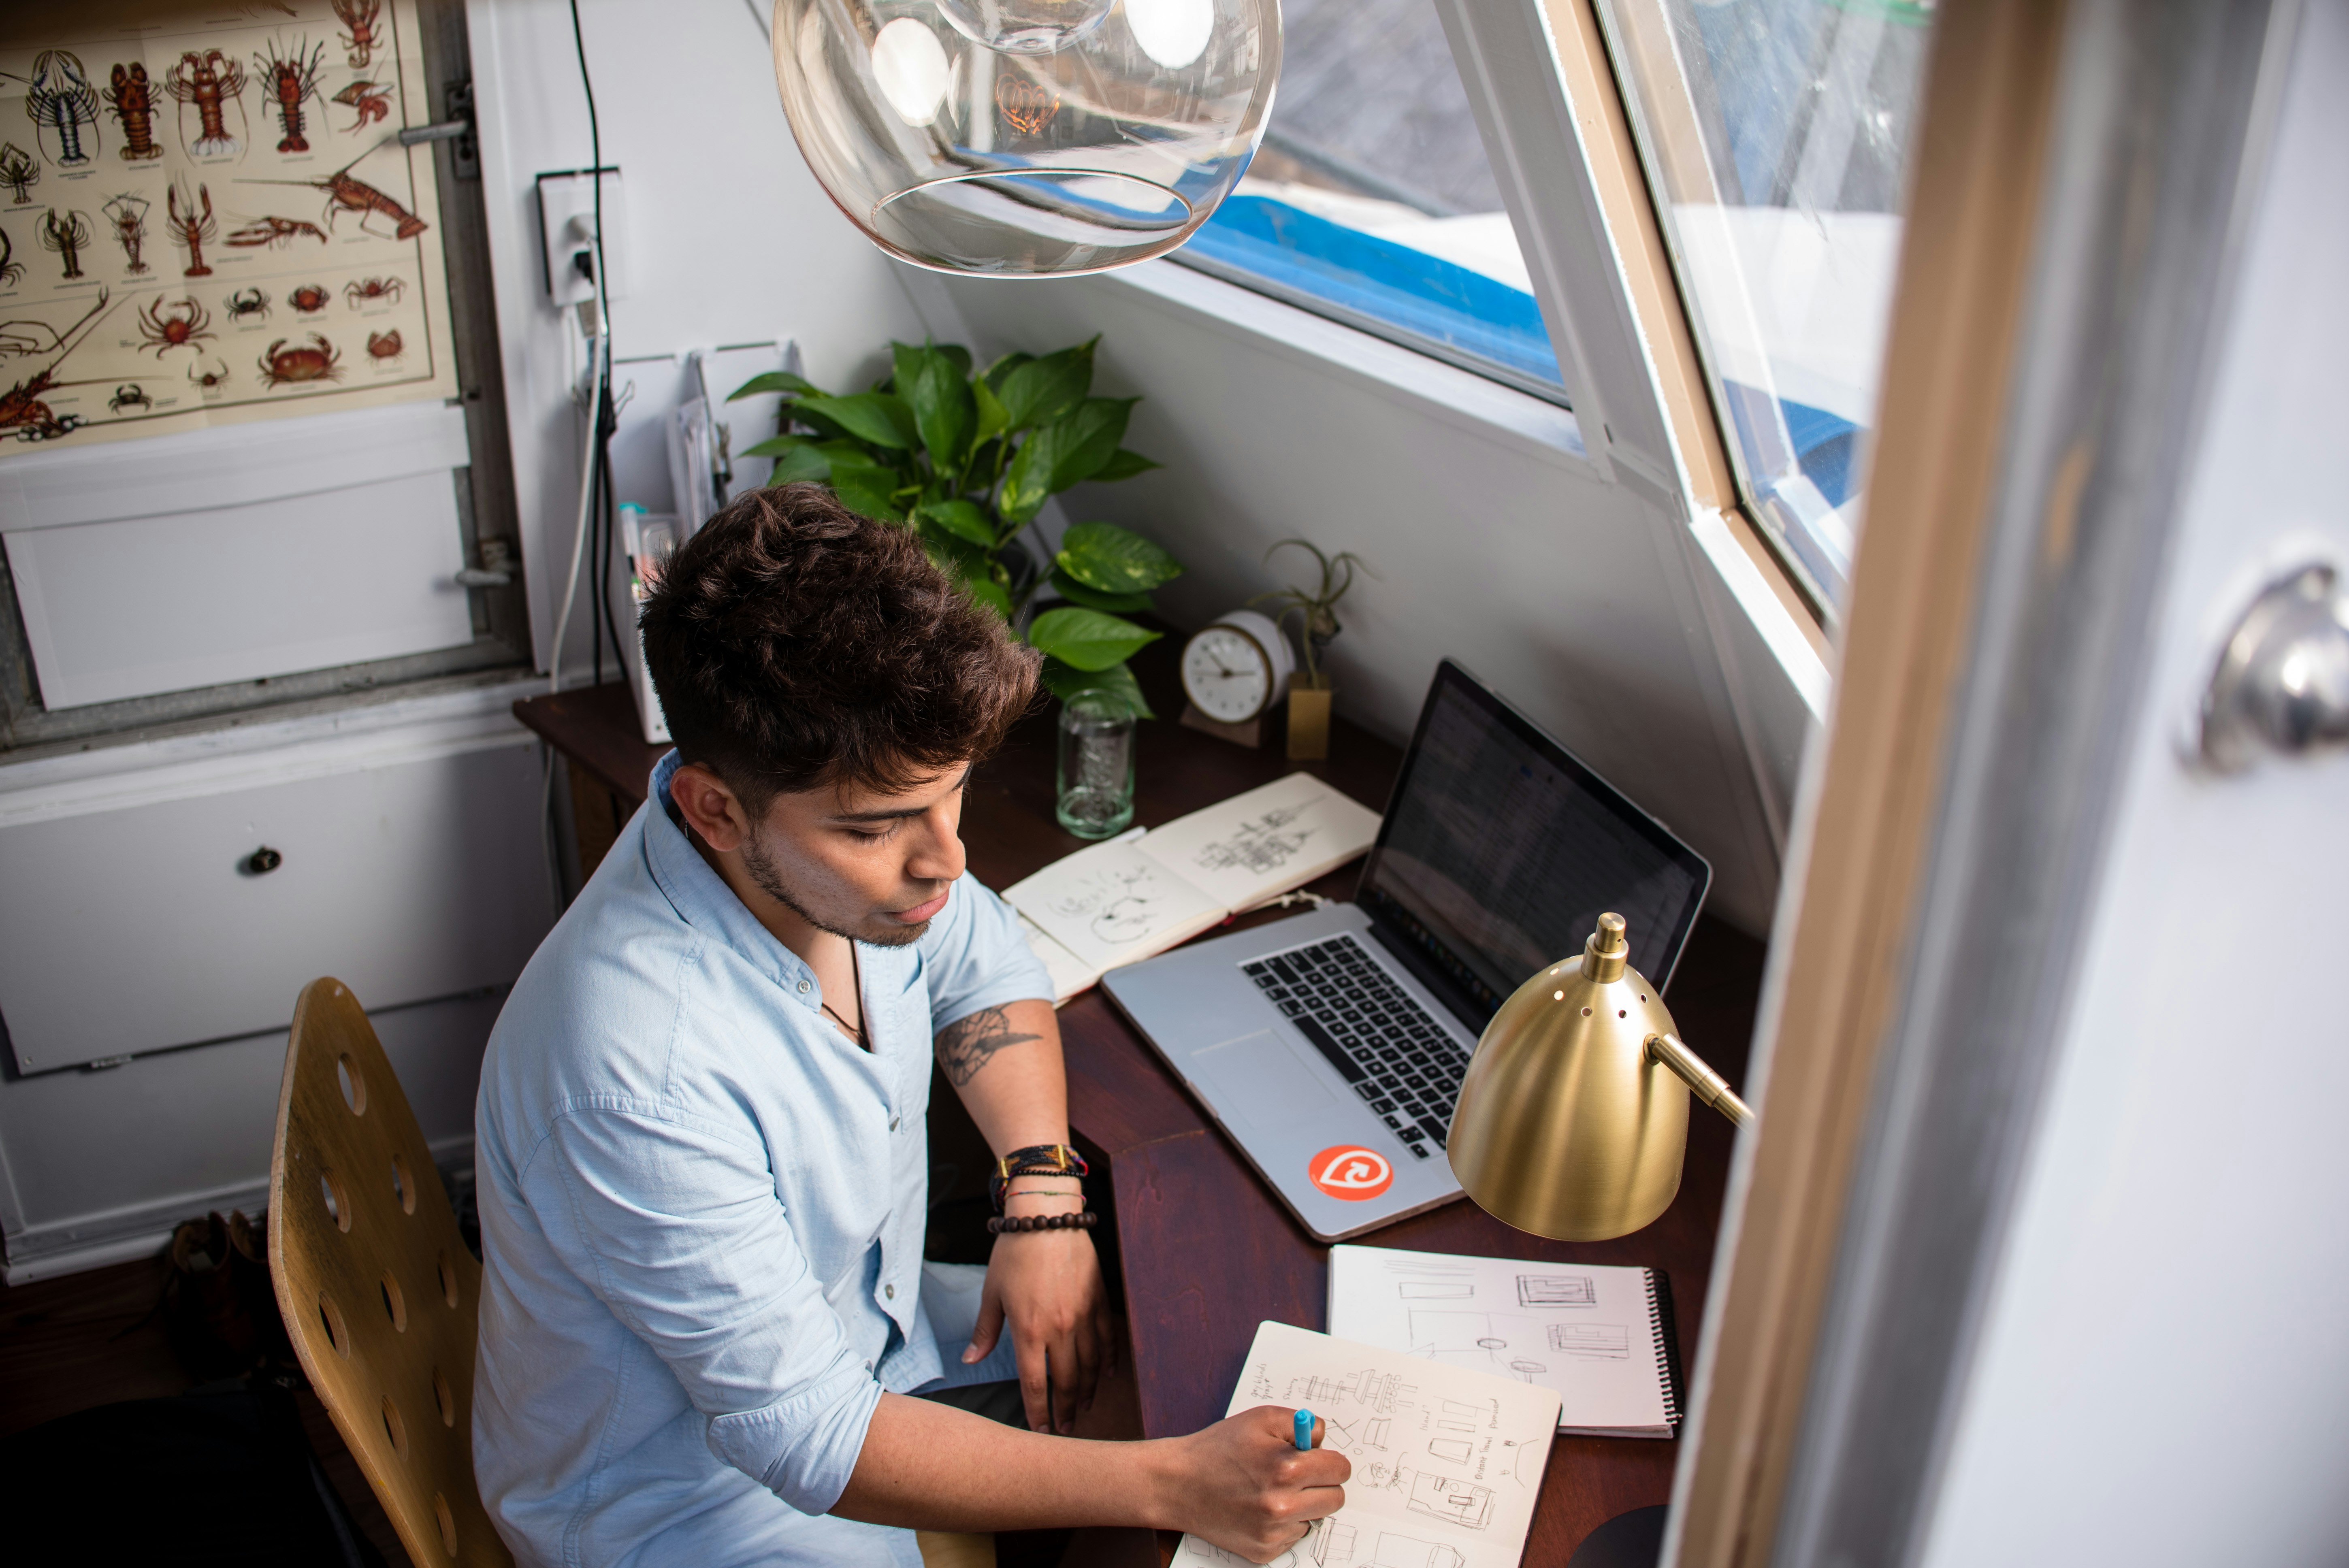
1025	27
1172	31
912	67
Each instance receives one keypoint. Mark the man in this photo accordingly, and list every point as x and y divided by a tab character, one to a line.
700	1136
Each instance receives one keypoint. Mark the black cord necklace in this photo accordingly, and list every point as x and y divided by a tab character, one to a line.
856	1029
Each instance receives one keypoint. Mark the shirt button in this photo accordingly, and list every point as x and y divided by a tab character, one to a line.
804	987
890	1291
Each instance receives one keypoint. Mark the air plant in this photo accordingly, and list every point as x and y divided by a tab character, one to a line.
20	171
1316	611
59	98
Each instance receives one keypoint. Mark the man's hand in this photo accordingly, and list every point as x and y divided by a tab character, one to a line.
1246	1486
1048	1284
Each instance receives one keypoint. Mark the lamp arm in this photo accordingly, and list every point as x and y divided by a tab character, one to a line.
1707	1085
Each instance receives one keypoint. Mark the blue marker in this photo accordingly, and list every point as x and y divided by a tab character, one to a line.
1305	1429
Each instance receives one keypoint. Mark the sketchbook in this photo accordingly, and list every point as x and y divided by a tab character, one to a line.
1131	897
1447	1461
1601	1338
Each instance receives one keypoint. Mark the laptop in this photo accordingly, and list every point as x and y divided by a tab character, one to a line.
1330	1046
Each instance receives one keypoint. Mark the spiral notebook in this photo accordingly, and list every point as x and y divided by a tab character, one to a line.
1602	1338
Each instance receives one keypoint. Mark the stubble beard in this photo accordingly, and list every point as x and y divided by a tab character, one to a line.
768	877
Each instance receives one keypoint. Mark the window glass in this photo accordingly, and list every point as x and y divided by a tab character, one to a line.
1371	200
1775	135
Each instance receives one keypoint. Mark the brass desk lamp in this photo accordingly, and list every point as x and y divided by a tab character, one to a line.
1574	1115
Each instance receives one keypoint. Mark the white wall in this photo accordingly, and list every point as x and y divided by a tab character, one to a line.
2163	1374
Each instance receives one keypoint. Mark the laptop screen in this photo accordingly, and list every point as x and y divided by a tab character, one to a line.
1499	852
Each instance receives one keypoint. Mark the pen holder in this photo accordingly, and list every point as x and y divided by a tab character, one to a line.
1095	794
1309	717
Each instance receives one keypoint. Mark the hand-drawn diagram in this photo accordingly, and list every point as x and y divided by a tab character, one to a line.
1443	1497
1260	845
1406	1552
1119	904
1453	1450
1556	1290
1434	1289
1480	1339
1605	1341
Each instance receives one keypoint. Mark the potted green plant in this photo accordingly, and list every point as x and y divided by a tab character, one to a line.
1315	610
966	458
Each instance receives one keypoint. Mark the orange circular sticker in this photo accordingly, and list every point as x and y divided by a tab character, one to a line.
1350	1172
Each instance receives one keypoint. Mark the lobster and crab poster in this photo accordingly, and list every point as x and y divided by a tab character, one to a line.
207	217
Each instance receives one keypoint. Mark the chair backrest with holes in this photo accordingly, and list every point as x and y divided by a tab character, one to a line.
377	1288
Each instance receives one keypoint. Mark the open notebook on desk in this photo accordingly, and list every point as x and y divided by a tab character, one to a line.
1128	899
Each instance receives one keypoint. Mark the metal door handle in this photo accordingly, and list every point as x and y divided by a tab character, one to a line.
2282	680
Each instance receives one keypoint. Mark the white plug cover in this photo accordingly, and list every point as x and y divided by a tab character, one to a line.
566	215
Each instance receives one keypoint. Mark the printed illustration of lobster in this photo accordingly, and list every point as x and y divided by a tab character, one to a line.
130	215
132	100
282	367
10	268
271	231
211	81
359	17
58	98
19	171
189	228
371	99
292	80
65	236
184	326
347	194
22	412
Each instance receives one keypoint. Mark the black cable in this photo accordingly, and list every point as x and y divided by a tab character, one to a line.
596	548
611	540
607	418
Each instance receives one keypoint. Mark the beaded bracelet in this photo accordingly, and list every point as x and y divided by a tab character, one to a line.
1001	1226
1042	1159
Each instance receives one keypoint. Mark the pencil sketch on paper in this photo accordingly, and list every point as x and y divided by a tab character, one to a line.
1445	1497
1260	845
1605	1341
1120	904
1484	1340
1453	1450
1407	1552
1556	1290
1434	1289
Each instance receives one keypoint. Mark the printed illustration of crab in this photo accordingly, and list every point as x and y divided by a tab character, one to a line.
184	325
384	345
374	290
128	396
309	299
245	304
209	375
284	366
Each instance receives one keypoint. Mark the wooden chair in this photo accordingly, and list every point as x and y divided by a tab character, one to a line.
377	1291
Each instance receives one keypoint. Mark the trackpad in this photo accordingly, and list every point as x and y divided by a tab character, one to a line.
1261	1079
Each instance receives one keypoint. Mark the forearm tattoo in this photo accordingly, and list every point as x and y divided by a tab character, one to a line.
968	1044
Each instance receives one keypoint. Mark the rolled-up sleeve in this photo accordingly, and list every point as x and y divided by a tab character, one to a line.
973	956
675	1227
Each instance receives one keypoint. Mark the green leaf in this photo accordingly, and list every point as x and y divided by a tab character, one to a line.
774	447
1123	465
994	374
943	413
878	417
963	519
859	493
783	381
993	419
1066	681
1114	559
1042	390
958	353
1027	484
986	591
802	463
1076	593
1087	439
1088	639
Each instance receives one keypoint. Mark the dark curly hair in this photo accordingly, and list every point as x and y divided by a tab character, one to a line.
796	646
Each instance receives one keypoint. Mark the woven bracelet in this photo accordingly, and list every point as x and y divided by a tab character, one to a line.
1001	1226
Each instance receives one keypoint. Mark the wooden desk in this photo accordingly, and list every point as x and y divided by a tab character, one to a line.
1205	1251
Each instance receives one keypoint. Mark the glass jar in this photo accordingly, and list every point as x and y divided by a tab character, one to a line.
1095	798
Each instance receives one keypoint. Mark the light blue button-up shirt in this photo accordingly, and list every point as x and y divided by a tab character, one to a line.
702	1211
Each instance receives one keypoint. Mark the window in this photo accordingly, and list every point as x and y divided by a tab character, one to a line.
1774	134
1371	200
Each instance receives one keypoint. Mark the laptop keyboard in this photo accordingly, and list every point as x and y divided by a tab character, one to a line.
1383	1042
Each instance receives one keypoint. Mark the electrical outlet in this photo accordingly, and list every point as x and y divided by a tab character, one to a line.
566	219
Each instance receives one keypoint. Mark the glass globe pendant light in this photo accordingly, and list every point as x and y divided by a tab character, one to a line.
1026	138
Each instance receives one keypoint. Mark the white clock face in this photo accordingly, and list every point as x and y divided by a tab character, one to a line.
1225	674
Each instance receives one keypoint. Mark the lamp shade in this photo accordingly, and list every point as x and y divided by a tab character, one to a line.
1568	1126
1026	138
